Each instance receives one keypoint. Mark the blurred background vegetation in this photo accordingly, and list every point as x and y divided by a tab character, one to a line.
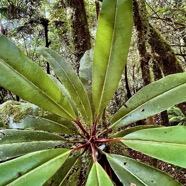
158	46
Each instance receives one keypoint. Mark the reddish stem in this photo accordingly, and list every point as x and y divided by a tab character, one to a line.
80	147
107	140
94	126
93	152
82	128
103	132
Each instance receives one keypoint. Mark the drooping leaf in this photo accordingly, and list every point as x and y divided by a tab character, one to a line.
98	177
60	176
111	50
133	129
130	172
85	69
164	143
27	80
32	169
44	124
71	81
152	99
18	142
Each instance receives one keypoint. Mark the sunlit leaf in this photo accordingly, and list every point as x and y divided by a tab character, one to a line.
152	99
98	177
111	50
164	143
32	169
130	172
61	175
27	80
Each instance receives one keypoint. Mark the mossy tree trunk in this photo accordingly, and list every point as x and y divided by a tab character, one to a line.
141	25
80	28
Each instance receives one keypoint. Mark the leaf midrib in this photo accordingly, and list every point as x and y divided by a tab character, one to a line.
128	171
133	110
30	141
38	167
33	85
109	58
84	109
154	141
49	120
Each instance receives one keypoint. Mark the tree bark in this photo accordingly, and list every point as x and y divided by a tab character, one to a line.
141	25
164	54
81	34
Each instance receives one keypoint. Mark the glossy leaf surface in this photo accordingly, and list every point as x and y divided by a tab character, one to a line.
18	142
27	80
152	99
133	129
61	175
98	177
130	172
111	50
164	143
32	169
71	82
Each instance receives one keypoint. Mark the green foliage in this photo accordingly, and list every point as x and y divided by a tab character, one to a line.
70	81
130	171
98	176
147	102
76	126
110	52
166	143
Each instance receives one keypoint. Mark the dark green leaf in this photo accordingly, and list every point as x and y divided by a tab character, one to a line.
18	142
98	177
131	172
44	124
71	81
27	80
152	99
32	169
133	129
164	143
60	176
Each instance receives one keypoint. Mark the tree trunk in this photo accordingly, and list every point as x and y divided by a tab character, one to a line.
164	54
81	34
141	24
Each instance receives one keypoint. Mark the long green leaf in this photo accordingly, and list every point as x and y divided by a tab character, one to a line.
85	70
71	81
61	175
130	172
27	80
32	169
133	129
152	99
98	177
44	124
65	92
164	143
18	142
111	50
